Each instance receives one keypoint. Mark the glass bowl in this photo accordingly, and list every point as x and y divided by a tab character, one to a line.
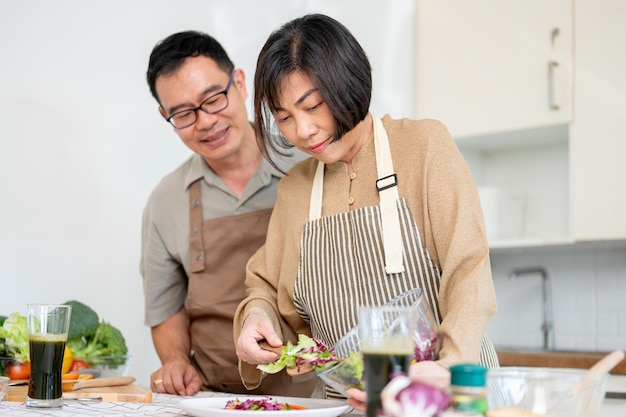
346	374
426	329
558	392
4	386
341	376
109	366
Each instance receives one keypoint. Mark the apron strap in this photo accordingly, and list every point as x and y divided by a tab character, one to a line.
315	206
387	186
196	244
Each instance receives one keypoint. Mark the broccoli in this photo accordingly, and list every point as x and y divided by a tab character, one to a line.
84	321
106	341
89	337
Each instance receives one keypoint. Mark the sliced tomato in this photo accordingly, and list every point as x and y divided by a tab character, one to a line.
19	370
77	365
295	407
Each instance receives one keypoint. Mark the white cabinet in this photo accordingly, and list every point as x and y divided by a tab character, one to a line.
487	66
483	68
598	133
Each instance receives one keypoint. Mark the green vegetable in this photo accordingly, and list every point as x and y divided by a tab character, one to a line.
106	341
84	321
307	350
2	319
350	371
14	337
88	336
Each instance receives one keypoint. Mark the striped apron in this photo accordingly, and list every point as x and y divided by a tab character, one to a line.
366	256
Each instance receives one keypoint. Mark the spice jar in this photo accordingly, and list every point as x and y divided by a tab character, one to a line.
468	389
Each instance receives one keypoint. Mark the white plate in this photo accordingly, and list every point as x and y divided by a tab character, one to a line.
214	407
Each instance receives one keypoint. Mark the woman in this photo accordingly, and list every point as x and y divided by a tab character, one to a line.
383	206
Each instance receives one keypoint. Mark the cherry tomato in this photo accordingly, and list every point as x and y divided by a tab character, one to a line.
78	365
19	370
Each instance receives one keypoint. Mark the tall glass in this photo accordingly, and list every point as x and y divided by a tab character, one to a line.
48	325
388	347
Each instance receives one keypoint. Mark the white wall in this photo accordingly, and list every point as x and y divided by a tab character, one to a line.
82	143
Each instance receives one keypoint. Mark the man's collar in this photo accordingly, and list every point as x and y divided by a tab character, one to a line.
199	168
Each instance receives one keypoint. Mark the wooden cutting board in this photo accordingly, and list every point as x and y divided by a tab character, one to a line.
555	359
124	393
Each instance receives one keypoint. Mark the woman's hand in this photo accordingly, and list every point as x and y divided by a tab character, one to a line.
431	373
257	328
357	399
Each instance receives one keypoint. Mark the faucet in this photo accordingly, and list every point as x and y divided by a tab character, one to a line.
548	322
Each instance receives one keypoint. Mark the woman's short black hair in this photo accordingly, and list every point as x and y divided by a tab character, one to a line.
324	50
169	55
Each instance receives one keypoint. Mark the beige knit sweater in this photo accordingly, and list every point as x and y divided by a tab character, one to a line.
441	193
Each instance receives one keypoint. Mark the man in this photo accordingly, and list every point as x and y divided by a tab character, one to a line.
204	220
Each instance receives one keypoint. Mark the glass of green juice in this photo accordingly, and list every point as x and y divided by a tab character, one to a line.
48	325
388	347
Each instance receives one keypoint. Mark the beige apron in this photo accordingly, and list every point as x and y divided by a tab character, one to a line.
219	251
364	256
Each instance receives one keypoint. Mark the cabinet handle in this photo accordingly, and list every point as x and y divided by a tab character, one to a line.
552	105
553	34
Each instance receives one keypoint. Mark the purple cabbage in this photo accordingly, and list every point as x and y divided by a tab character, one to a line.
425	342
403	397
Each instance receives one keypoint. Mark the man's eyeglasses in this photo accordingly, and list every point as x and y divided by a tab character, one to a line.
214	104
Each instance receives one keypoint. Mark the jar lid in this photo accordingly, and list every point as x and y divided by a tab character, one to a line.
469	375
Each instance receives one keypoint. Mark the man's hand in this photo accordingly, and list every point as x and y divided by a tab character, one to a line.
255	329
172	343
178	377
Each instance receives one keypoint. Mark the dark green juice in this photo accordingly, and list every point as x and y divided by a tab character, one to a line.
46	353
379	366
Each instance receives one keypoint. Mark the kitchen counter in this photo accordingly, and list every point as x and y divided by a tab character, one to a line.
163	405
616	386
554	359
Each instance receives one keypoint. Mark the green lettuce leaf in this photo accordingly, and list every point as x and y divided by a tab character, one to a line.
306	350
14	332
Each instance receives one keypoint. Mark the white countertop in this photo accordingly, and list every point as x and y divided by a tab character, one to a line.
164	405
